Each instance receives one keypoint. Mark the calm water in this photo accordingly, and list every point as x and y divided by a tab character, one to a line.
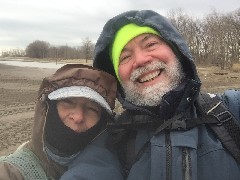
21	63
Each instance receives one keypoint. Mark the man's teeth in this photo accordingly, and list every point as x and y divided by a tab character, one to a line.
149	77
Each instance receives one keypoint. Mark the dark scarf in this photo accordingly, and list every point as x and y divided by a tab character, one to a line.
61	139
169	104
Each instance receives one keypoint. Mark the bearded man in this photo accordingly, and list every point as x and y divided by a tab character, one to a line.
158	86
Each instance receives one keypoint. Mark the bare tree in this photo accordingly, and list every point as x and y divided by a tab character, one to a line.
189	28
87	48
233	32
213	39
37	49
223	31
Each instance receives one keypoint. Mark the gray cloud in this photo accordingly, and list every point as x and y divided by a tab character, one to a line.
69	22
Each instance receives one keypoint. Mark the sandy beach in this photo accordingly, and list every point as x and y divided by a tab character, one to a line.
18	92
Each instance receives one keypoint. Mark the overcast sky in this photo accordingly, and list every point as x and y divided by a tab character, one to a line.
62	22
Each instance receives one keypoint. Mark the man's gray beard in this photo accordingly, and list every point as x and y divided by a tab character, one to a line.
152	96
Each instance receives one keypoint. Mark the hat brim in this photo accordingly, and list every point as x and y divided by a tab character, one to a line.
80	91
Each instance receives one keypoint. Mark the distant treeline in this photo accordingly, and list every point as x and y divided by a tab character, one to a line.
212	39
42	49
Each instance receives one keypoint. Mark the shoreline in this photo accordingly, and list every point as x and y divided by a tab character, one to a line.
33	64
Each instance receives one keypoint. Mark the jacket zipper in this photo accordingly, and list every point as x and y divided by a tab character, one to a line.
168	156
187	167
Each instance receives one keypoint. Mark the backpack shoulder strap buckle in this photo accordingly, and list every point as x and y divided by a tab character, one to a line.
226	126
222	117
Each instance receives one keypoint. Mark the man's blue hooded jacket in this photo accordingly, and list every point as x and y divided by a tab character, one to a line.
195	154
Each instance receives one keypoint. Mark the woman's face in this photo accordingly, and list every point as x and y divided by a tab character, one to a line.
79	114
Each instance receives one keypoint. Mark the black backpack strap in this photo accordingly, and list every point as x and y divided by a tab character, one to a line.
227	129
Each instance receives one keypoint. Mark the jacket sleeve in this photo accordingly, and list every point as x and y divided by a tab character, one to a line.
232	99
95	162
97	165
9	172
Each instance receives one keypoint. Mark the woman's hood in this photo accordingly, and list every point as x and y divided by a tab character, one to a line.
68	75
150	18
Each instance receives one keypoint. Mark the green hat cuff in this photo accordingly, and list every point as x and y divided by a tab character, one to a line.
122	37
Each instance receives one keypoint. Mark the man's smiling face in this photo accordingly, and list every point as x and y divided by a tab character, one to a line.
148	69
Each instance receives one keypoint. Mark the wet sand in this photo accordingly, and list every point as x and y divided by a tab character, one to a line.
18	92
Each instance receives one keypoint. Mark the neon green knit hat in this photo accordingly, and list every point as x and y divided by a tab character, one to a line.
122	37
